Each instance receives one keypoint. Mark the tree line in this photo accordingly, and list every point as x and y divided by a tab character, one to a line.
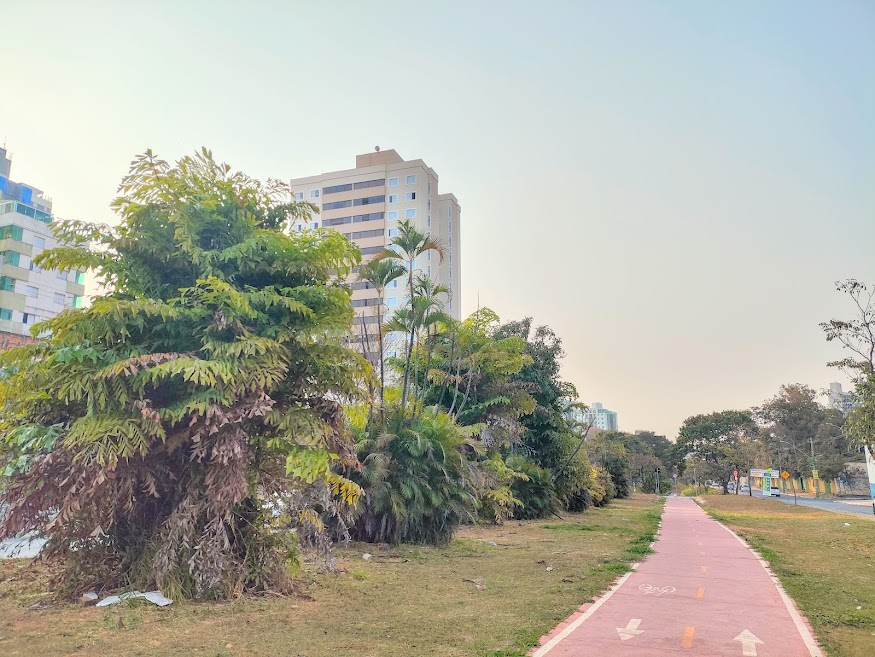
793	431
218	409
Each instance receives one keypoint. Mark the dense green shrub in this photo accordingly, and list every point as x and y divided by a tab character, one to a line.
416	478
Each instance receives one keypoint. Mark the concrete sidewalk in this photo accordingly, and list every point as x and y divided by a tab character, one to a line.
703	593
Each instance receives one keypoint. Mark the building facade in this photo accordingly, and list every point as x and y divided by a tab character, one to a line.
600	417
839	400
29	294
367	203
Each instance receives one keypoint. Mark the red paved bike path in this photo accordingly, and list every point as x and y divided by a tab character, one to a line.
703	593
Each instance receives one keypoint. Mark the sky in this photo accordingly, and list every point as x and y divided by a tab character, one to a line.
673	187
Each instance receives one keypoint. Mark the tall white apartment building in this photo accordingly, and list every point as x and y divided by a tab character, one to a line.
600	417
367	203
840	400
29	294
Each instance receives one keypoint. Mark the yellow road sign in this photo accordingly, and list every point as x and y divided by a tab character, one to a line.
785	475
814	473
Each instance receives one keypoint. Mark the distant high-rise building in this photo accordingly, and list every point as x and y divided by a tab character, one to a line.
601	418
367	203
842	401
29	294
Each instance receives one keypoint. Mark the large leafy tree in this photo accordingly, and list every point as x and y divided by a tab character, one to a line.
801	434
548	438
857	335
717	441
163	435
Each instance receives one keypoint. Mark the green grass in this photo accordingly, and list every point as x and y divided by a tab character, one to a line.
404	601
826	561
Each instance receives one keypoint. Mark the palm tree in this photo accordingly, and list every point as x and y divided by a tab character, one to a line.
409	244
428	312
380	273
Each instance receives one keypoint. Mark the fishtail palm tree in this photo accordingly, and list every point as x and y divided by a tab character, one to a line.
380	273
409	244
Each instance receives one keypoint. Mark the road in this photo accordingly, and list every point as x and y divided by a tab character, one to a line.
683	600
849	507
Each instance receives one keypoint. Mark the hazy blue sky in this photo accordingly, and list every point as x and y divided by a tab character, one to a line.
673	187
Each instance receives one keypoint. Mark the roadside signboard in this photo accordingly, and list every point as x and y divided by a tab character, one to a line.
814	474
767	482
770	479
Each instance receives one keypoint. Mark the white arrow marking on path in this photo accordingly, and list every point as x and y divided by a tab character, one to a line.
630	630
749	643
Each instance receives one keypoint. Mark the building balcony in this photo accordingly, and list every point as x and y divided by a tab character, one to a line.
26	210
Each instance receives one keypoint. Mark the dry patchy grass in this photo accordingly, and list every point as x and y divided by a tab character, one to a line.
826	561
488	594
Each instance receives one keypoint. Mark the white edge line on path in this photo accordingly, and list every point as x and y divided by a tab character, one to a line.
577	622
807	637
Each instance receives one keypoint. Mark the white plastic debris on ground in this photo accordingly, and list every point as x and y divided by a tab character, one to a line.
23	547
154	597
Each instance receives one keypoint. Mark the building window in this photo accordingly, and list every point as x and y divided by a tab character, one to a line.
314	225
61	275
298	228
392	301
369	183
59	298
314	193
429	221
429	186
393	232
393	283
11	258
369	200
429	270
77	300
428	205
451	273
393	198
336	204
393	182
7	284
34	267
373	216
11	233
449	226
39	242
29	318
410	213
411	180
80	278
410	196
31	291
451	304
334	189
299	196
393	215
5	313
449	212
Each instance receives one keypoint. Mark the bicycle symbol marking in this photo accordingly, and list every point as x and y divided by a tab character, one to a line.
655	590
